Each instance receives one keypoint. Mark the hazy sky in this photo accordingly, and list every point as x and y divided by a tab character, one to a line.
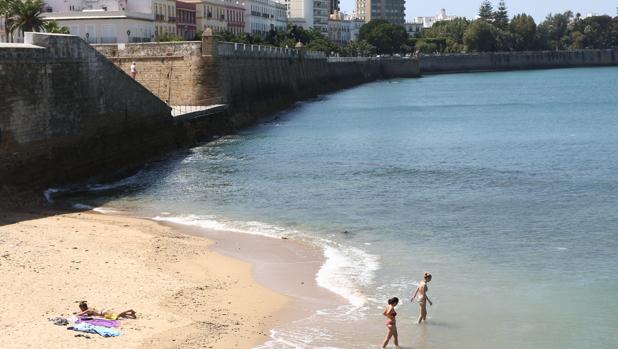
469	8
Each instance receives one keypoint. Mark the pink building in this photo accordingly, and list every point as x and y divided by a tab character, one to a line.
185	20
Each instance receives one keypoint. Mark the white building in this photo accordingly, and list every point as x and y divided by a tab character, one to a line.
164	15
220	15
429	21
413	29
263	16
342	29
100	26
309	13
110	21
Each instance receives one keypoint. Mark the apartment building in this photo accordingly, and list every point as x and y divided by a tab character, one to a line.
342	29
104	21
309	13
392	11
165	16
263	16
235	16
186	27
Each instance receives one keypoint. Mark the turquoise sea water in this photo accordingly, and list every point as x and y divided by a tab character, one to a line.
503	185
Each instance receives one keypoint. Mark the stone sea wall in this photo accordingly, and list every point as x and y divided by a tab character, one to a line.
463	63
66	113
69	111
252	80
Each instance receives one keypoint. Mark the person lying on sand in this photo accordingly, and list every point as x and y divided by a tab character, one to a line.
85	311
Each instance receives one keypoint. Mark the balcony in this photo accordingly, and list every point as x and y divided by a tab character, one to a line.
159	17
172	19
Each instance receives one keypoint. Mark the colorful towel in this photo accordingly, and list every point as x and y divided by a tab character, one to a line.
100	330
100	322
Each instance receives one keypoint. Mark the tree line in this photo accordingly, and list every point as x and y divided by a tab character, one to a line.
494	30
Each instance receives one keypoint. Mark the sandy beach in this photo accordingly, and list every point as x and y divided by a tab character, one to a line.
185	294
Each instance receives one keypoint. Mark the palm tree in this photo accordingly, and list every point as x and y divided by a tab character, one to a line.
54	27
27	16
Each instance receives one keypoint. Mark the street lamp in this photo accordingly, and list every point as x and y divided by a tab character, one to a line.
128	35
87	37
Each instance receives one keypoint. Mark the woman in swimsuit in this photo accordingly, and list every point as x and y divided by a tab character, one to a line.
85	311
391	322
423	298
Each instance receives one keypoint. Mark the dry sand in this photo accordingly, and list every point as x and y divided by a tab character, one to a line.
185	296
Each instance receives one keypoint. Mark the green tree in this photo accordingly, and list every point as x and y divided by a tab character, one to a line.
481	37
27	16
501	16
358	48
322	44
523	29
486	11
452	31
597	32
556	30
386	37
425	47
54	27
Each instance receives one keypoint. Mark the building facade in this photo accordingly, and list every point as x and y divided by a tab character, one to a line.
342	29
428	22
210	15
309	14
185	20
392	11
414	29
235	16
263	16
100	27
105	21
165	17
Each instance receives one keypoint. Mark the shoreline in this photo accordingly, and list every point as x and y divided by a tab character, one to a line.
190	287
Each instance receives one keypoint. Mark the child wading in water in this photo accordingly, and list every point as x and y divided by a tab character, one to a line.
391	322
423	298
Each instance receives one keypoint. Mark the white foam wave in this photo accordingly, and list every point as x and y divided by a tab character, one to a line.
207	222
346	270
105	210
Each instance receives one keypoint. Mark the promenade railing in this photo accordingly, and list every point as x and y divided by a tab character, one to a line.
238	49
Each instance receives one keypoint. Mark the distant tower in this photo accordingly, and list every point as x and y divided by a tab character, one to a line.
392	11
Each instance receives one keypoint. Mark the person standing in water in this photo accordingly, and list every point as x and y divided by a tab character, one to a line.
391	322
423	298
